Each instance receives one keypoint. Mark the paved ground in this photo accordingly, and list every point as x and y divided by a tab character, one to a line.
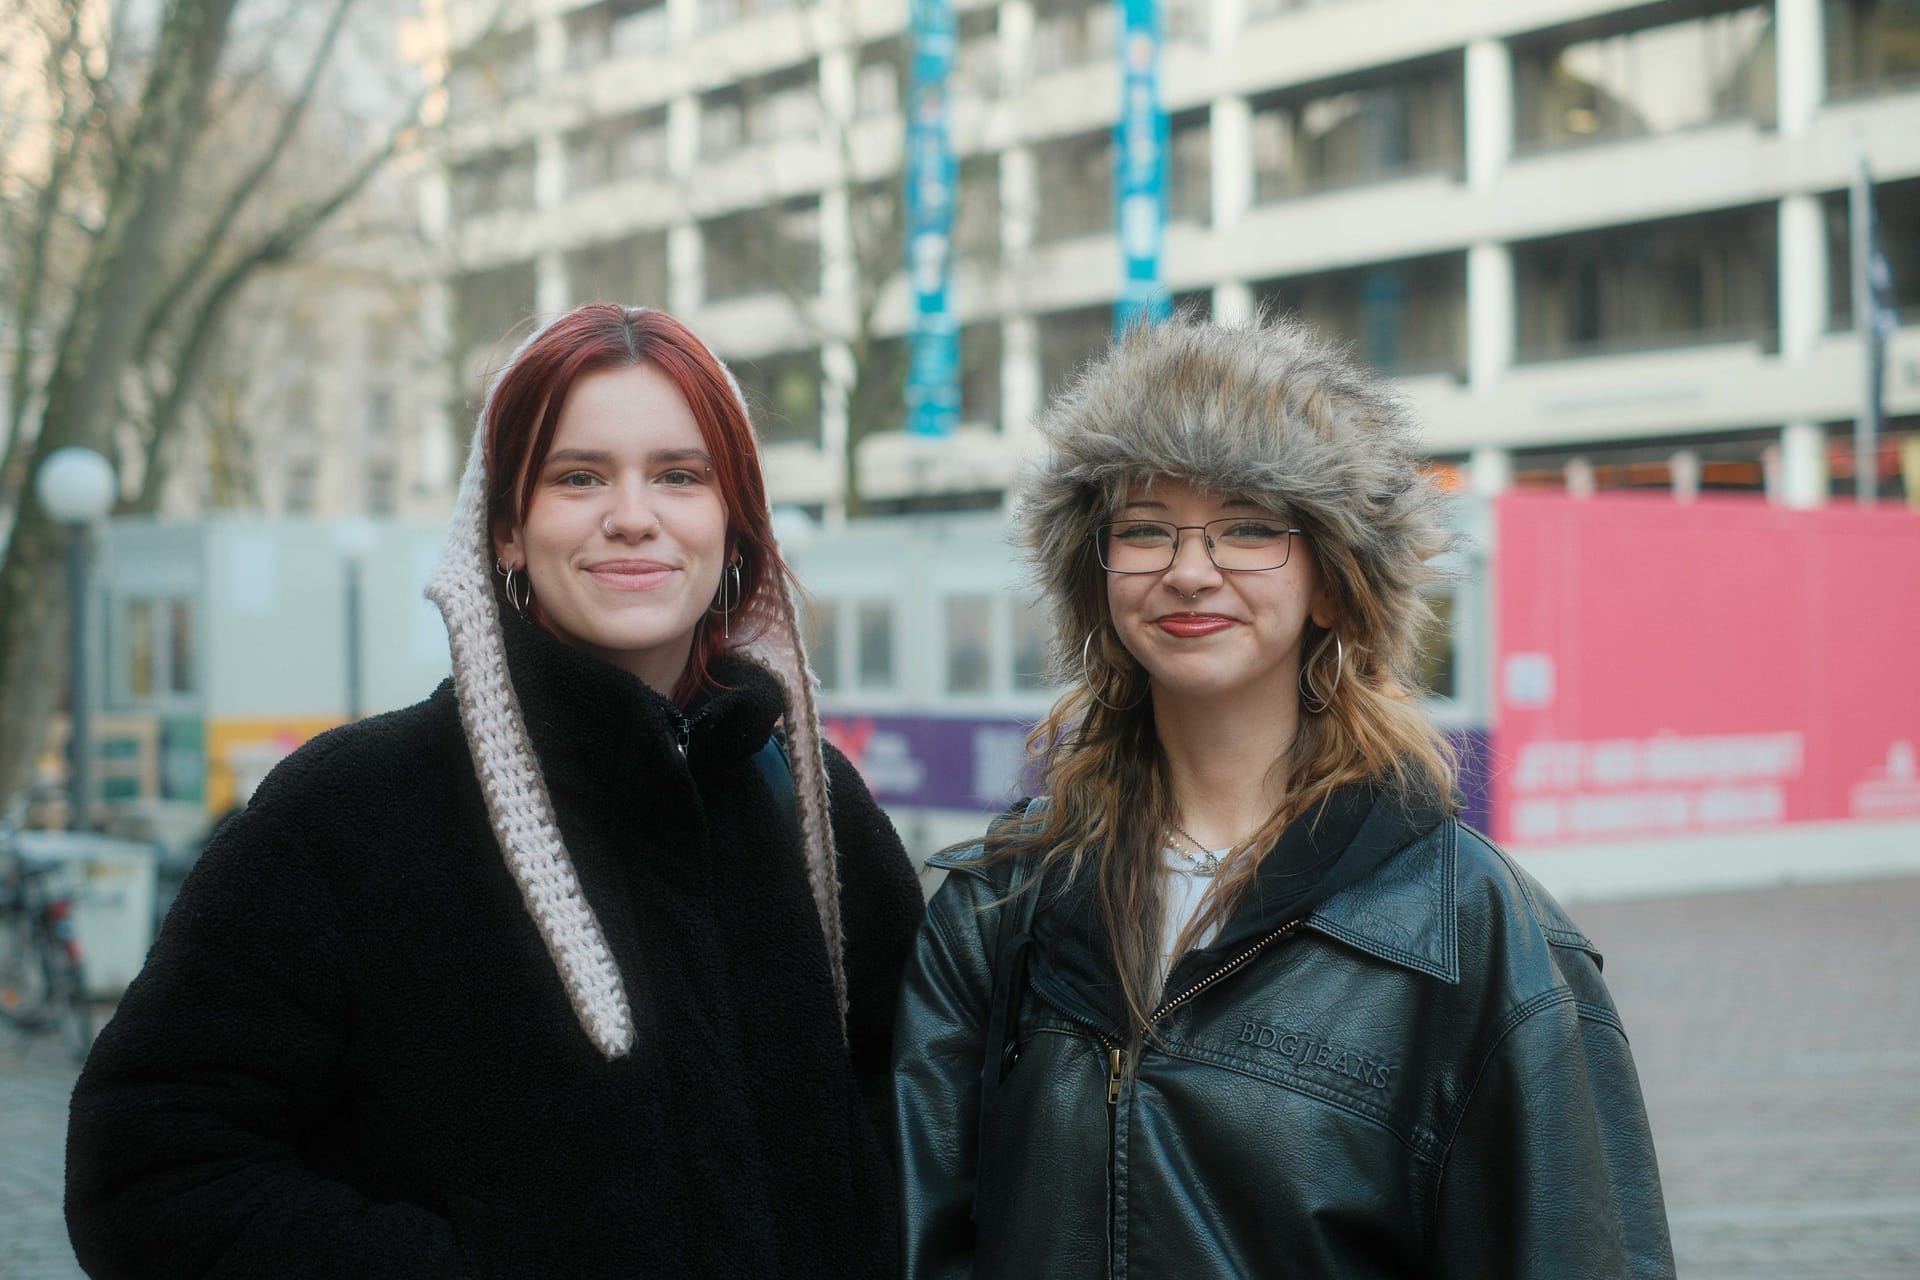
1778	1038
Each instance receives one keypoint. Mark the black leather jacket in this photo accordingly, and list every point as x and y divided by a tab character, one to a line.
1424	1077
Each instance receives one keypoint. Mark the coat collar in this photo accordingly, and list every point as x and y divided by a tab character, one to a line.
1407	911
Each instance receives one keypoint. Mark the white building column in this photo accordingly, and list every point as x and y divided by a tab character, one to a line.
1489	76
1232	301
1803	277
1490	315
686	269
1801	61
1489	471
1803	465
551	291
1020	389
1230	159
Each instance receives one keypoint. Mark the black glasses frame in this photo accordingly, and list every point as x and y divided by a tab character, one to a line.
1206	540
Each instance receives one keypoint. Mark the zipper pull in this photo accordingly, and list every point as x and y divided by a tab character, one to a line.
682	731
1117	1059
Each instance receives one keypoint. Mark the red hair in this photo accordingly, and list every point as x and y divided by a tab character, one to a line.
524	412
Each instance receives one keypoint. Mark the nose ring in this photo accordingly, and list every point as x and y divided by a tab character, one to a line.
606	525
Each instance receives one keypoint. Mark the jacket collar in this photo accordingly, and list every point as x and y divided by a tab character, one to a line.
1407	911
1366	844
591	722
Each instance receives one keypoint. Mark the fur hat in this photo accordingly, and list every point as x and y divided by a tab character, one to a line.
516	791
1263	410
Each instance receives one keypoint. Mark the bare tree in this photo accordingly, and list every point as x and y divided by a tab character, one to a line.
159	191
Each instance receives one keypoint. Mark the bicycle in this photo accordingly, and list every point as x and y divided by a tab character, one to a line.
42	980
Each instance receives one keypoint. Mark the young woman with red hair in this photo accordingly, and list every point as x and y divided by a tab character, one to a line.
585	965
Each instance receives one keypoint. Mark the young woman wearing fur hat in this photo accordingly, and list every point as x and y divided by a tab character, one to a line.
586	965
1242	997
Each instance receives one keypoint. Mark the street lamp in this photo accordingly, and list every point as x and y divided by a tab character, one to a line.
355	539
76	488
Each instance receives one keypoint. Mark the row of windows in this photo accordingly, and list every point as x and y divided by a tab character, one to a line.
1589	83
1642	70
1707	278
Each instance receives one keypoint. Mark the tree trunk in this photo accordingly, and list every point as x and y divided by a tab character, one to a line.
83	392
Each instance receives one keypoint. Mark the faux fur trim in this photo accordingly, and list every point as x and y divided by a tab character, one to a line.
1265	410
518	803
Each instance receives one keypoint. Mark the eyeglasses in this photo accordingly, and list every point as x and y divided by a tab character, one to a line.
1237	544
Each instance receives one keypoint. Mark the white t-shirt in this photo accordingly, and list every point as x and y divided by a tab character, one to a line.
1184	893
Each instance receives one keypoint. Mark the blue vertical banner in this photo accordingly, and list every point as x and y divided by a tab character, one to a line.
1140	177
933	370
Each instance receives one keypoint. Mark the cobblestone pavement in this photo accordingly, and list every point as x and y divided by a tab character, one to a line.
1778	1039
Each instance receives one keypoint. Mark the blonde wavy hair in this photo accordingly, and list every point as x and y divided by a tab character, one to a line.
1268	412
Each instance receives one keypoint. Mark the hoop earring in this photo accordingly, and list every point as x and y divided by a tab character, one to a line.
522	601
728	602
1086	673
1309	695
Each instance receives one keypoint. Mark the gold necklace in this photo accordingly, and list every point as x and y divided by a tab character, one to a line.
1202	861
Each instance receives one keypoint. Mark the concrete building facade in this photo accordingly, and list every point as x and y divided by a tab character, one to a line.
1598	244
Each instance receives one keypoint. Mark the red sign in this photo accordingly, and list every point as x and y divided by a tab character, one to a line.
1667	668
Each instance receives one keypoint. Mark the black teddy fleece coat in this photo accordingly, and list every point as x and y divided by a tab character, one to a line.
350	1055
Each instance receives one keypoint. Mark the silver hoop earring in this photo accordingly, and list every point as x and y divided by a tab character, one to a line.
728	601
524	597
1309	695
1093	690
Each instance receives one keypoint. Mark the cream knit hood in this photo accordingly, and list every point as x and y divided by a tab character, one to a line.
462	586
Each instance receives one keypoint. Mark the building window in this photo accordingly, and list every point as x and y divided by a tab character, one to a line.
1071	33
494	182
1076	186
976	59
1403	318
980	374
976	212
770	248
1872	45
717	14
1185	21
1190	168
875	656
1032	637
629	271
303	485
158	661
1437	648
823	641
617	29
1734	461
1712	278
1897	206
784	394
765	109
492	70
969	644
1598	80
1068	339
877	399
488	306
383	489
878	78
379	423
1386	124
1268	8
617	150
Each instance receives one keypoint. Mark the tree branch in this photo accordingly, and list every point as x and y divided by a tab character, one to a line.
216	235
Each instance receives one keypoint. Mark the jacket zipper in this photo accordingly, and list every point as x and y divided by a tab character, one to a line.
683	727
1225	969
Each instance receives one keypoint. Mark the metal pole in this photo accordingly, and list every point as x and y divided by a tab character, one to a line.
353	639
1860	237
79	737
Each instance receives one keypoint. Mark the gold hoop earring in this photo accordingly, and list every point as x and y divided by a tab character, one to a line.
1309	694
1093	690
